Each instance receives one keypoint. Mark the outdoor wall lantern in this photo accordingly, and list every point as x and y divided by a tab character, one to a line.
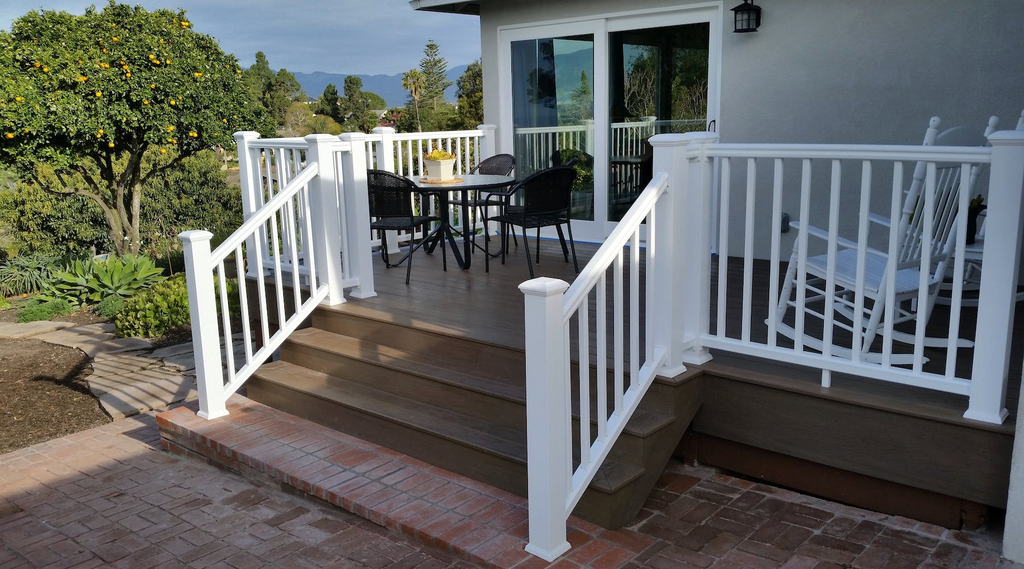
747	17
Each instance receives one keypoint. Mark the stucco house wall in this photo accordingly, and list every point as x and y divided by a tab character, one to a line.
862	71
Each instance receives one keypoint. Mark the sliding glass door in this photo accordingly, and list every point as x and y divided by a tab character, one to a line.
553	110
597	90
658	83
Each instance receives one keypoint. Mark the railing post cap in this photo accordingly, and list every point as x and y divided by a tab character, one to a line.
543	286
195	235
383	130
683	139
311	138
352	136
247	134
486	127
1007	138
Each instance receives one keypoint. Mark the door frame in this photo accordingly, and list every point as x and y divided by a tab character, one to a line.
600	26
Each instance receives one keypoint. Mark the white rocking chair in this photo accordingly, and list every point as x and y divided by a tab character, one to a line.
907	264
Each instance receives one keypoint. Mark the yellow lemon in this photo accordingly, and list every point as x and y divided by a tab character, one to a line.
115	38
163	151
110	144
46	69
170	128
193	134
172	102
35	64
19	98
9	135
197	74
127	75
145	102
99	93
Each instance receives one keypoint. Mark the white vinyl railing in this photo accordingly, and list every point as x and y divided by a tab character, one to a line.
690	307
304	241
556	318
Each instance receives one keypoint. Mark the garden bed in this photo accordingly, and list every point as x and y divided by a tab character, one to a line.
43	392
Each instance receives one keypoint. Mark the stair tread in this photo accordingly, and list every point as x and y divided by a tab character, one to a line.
485	436
438	368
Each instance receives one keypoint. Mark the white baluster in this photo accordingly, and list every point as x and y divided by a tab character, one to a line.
246	170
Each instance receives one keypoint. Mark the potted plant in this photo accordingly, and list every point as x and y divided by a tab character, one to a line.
440	165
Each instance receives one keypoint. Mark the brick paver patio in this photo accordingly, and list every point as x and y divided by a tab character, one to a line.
109	497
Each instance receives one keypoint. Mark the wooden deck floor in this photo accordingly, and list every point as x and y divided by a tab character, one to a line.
489	308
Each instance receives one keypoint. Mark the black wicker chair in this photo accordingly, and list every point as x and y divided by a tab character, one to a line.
391	209
497	165
545	197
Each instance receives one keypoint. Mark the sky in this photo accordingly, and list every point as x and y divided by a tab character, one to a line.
336	36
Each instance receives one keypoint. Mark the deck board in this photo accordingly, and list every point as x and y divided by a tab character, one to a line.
488	307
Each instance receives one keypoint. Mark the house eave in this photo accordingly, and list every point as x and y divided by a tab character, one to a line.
446	6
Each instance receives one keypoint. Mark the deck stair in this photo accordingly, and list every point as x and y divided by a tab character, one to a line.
458	403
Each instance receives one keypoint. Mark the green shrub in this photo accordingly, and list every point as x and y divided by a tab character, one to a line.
88	282
110	306
164	307
45	311
26	274
155	311
4	305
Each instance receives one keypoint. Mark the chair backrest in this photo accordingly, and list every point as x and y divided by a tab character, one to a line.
944	198
390	195
497	165
570	156
547	191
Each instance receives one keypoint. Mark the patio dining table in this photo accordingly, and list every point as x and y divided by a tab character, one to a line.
463	184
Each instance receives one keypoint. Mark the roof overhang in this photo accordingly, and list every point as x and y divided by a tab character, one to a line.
468	7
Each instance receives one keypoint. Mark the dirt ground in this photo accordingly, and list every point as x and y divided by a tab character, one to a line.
43	393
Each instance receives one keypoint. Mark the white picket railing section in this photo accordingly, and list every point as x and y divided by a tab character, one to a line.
555	486
685	320
535	145
282	223
304	241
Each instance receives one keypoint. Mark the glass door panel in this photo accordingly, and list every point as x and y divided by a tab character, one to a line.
658	83
553	111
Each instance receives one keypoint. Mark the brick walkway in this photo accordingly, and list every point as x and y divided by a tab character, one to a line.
109	497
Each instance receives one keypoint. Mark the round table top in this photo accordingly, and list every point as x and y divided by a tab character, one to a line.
470	181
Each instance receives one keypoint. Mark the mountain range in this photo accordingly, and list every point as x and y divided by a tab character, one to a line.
387	86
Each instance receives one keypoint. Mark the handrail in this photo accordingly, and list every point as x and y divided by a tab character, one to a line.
433	135
613	244
262	215
977	155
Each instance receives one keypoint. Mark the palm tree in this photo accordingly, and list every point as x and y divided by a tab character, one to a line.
413	81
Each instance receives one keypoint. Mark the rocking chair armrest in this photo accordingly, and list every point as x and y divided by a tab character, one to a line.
843	242
879	219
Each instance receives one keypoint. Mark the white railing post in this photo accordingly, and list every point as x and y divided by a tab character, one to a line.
246	171
488	142
327	242
357	214
548	440
1000	261
588	146
1013	534
202	303
682	279
384	150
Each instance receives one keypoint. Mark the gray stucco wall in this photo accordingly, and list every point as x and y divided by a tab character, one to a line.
859	71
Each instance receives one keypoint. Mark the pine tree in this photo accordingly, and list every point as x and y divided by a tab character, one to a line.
435	74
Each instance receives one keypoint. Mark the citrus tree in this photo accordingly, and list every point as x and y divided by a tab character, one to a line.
98	104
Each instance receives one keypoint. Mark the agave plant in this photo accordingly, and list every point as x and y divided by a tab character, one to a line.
88	282
26	274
